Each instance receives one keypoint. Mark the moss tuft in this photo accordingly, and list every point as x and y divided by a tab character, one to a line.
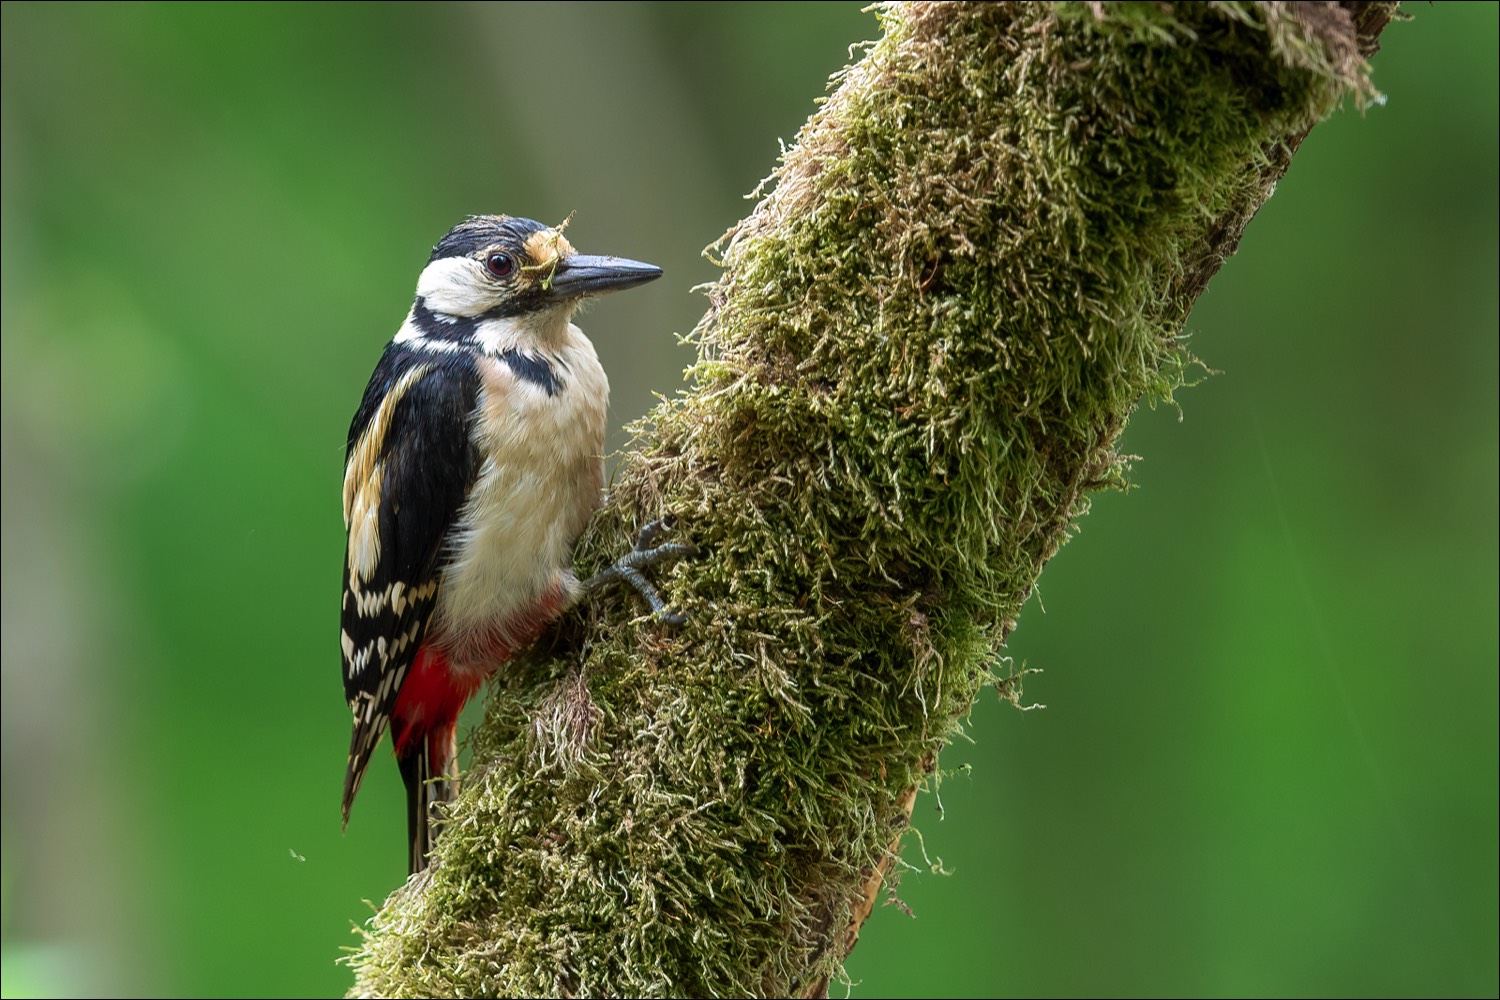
974	263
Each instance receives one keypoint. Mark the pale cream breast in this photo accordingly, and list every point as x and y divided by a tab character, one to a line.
540	479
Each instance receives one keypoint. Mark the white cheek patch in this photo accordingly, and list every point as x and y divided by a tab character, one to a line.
456	286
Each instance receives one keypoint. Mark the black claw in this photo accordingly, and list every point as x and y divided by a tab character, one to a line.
654	533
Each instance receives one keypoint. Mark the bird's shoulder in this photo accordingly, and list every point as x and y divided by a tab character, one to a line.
410	386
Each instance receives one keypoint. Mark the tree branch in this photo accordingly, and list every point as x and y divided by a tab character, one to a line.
974	263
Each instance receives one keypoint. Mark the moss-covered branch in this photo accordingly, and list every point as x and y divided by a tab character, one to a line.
975	262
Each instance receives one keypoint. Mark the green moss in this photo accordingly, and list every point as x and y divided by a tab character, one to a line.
975	263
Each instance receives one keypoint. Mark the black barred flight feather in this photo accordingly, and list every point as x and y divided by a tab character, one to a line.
410	464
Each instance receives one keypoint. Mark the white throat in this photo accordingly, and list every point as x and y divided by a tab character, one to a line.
538	331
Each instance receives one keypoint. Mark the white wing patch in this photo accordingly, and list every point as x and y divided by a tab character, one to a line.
364	527
362	480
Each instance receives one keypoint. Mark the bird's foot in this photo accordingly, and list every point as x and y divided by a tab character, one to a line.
651	549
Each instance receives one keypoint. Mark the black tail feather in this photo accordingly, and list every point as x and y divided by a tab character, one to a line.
361	746
431	776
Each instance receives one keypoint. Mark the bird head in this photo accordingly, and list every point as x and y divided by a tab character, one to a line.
504	268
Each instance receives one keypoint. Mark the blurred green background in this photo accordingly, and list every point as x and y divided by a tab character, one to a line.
1268	761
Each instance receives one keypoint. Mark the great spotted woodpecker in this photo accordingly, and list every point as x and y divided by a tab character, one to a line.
474	461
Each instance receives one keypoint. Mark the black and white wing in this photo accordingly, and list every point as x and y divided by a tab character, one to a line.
410	464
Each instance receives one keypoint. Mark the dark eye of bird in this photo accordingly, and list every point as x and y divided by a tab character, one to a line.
500	264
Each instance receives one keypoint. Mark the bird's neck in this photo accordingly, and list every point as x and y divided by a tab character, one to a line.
542	331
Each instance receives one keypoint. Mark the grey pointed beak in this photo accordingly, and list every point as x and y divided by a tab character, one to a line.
582	274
